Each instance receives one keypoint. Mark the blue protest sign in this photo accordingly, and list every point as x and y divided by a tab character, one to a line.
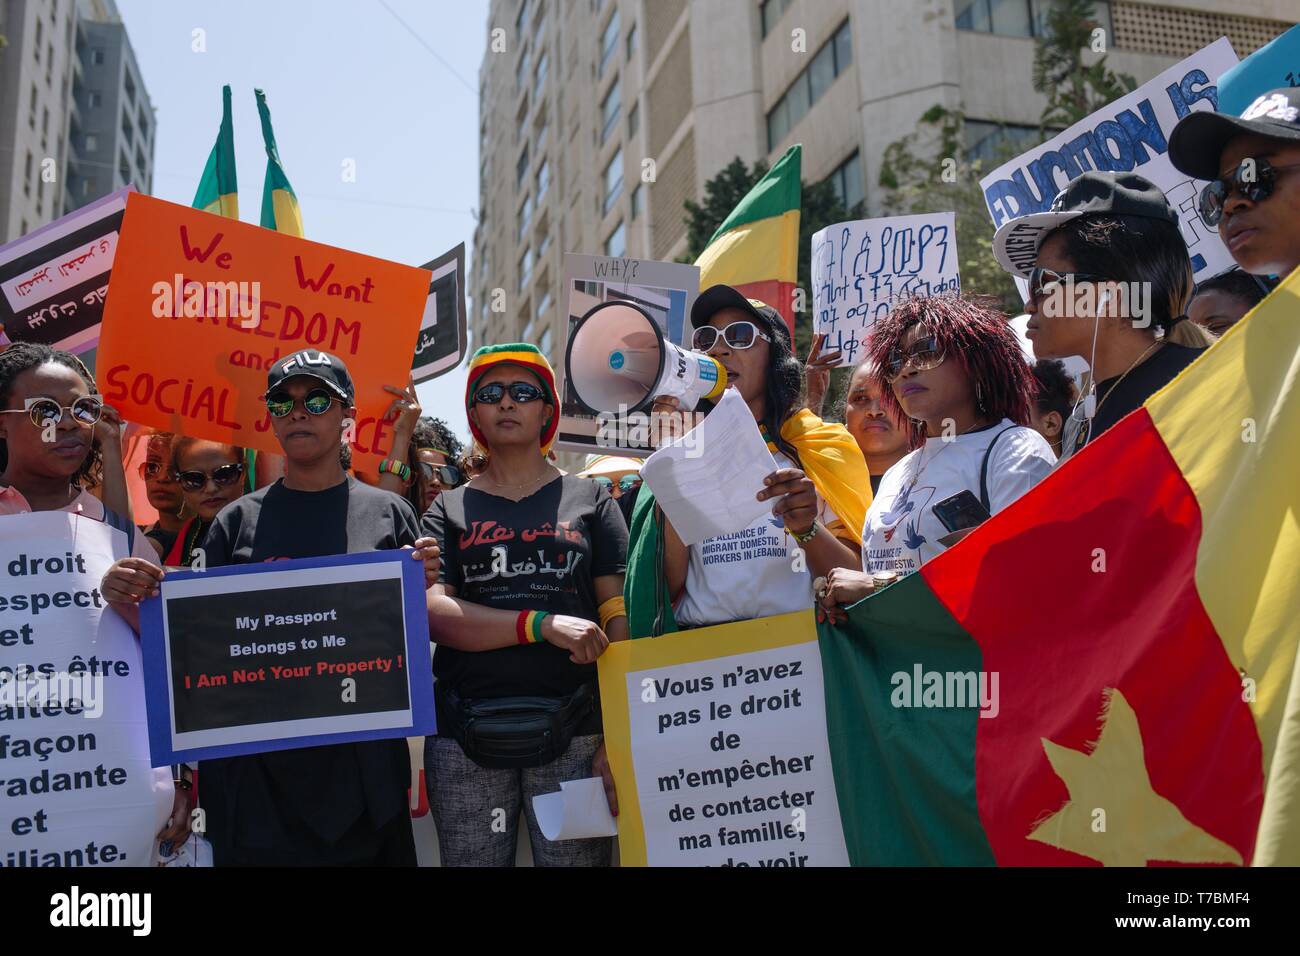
1129	135
260	657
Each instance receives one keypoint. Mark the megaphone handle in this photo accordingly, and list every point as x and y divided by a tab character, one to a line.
666	403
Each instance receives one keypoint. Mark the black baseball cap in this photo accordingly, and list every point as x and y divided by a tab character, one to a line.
328	368
719	297
1196	143
1017	242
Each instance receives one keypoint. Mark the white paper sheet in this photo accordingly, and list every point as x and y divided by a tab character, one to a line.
706	481
579	811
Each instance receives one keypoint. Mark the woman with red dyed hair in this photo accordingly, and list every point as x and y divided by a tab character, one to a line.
952	374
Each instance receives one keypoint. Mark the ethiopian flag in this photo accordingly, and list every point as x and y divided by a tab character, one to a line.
218	189
756	249
1130	627
279	202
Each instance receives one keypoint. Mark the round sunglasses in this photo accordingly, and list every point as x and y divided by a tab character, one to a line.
45	412
737	335
521	392
625	484
316	402
155	471
924	355
1254	178
223	477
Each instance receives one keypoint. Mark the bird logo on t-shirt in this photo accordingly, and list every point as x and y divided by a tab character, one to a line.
901	507
909	501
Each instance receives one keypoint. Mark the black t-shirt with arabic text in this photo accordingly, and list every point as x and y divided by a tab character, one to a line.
538	554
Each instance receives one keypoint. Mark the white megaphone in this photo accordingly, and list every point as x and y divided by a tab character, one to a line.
619	361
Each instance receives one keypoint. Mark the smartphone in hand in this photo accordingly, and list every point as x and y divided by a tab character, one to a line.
960	512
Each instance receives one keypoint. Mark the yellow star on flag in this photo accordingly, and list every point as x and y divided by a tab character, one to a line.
1138	825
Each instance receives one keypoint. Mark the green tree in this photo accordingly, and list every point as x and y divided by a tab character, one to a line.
928	171
931	170
1074	89
722	194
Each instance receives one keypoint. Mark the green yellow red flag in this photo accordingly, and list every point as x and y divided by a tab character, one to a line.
218	190
279	202
756	249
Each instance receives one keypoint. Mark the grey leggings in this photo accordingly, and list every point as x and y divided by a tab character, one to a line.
476	810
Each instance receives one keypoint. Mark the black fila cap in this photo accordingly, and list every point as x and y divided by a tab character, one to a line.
328	368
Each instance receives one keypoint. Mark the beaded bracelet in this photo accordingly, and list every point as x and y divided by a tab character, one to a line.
393	467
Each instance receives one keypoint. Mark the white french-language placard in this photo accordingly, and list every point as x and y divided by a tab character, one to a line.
76	787
717	739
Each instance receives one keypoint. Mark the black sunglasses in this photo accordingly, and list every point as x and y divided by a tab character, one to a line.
1043	280
222	477
521	392
448	476
626	483
317	402
1254	178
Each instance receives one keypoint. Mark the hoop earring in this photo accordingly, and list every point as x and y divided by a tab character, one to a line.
181	513
979	397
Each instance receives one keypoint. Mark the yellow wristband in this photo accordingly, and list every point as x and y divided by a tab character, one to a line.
611	609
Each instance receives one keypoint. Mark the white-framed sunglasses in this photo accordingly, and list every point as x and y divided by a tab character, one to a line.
737	335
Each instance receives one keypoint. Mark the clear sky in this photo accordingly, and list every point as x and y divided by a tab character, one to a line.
345	80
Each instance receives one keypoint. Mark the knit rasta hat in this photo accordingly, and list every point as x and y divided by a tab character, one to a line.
514	353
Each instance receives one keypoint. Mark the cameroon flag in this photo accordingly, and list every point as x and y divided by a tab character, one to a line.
1133	623
218	189
279	203
756	249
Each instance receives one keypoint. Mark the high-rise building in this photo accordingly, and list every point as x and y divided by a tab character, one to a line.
112	130
36	66
599	118
75	119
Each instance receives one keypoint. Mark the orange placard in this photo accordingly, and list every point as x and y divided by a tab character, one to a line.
200	306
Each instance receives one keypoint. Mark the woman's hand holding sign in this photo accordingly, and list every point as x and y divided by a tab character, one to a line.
817	372
426	550
798	504
128	582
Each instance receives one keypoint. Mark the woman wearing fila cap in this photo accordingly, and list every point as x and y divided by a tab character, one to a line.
820	492
1109	280
529	597
331	805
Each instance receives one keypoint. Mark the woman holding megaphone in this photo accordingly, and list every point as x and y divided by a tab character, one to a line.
819	491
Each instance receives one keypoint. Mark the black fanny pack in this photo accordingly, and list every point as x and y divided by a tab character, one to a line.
507	733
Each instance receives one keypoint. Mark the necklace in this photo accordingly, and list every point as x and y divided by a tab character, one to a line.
501	486
1140	359
916	476
1085	430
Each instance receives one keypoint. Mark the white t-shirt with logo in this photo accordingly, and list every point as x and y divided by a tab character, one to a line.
749	574
901	531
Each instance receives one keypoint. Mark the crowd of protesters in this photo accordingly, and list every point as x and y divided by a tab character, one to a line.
945	423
